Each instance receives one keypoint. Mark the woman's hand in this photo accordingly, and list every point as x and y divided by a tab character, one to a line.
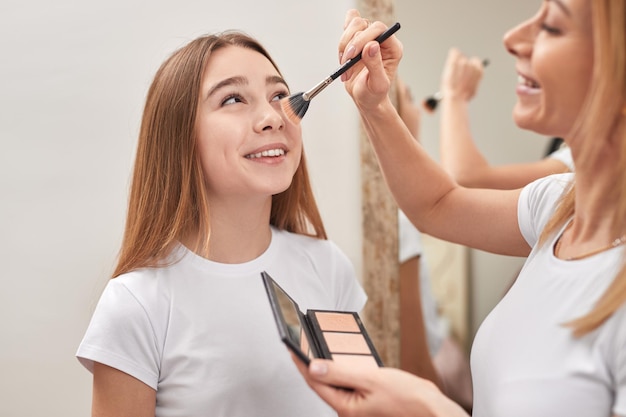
461	76
368	81
373	391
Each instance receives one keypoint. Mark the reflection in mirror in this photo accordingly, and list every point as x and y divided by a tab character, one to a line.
290	313
289	319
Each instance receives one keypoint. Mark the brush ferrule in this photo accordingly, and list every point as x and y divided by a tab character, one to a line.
317	89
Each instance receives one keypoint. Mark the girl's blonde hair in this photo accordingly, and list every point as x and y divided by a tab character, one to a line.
605	112
167	195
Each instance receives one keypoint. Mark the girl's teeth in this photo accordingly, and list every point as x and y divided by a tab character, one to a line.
270	152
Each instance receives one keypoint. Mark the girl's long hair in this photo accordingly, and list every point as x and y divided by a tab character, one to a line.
605	118
167	195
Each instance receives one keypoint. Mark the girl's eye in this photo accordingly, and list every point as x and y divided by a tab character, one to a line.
550	29
232	99
280	96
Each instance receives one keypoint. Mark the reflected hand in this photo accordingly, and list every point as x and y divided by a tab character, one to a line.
407	109
461	75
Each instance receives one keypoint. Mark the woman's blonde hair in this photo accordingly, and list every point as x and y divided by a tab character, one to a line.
605	118
167	195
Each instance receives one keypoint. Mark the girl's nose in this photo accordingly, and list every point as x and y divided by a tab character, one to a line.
270	118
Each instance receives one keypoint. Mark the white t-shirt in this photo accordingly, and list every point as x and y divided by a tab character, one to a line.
525	362
564	154
202	334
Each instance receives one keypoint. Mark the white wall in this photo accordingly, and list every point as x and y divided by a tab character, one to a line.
73	75
430	28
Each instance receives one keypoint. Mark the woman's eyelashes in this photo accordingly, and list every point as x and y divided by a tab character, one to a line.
550	29
552	21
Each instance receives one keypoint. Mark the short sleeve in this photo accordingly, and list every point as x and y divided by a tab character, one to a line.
537	203
564	155
121	336
409	239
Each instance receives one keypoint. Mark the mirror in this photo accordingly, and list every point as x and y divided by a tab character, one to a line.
289	319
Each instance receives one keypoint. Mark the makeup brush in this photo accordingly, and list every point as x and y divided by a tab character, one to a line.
430	103
296	105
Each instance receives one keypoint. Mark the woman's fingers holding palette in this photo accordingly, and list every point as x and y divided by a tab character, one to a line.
376	391
313	376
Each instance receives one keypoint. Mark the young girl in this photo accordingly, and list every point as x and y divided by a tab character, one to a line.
555	345
220	193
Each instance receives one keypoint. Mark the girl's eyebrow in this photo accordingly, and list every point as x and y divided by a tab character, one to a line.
227	82
240	81
275	79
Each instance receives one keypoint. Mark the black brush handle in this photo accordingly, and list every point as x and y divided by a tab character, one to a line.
380	39
430	103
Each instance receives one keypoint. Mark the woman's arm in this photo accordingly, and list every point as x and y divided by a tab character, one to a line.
459	81
414	355
460	156
484	219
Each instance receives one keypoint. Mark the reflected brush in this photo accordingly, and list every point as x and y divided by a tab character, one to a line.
430	103
296	105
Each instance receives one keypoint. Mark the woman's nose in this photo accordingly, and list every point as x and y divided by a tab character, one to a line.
519	40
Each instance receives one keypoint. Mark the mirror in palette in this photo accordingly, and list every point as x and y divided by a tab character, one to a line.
289	319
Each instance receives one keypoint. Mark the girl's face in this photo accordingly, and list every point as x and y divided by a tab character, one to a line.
554	51
246	147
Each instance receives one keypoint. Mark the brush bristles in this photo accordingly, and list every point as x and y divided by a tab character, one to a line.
430	104
294	107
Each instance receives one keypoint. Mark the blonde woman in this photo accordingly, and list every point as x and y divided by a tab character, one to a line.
555	345
460	156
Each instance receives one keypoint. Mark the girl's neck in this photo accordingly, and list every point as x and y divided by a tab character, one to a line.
238	233
238	244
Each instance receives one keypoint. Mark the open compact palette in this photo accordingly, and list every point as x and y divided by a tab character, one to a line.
336	335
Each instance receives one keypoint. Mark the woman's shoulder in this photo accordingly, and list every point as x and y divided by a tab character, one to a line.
547	191
538	201
553	183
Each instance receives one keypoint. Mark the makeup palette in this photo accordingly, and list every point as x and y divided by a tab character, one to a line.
336	335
